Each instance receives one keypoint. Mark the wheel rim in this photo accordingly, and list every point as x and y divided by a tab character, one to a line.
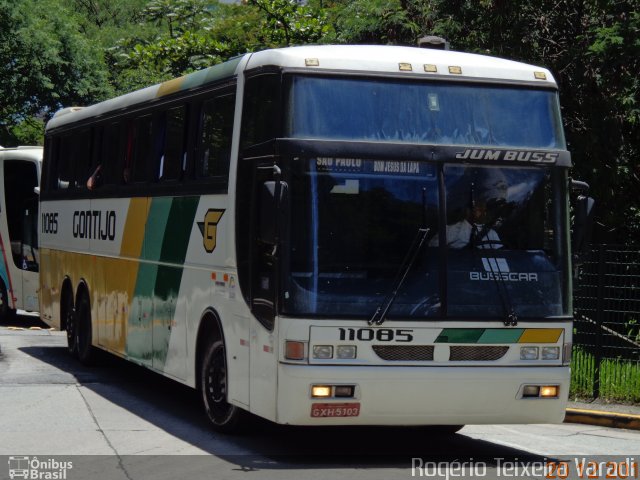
216	386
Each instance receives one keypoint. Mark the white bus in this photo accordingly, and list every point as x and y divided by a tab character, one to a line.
322	235
19	180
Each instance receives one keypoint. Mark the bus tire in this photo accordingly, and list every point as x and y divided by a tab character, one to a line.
68	315
6	312
86	351
223	416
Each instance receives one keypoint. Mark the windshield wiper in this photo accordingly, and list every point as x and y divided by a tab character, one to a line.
406	266
511	317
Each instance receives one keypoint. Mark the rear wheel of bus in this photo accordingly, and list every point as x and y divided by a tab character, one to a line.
224	417
86	351
67	314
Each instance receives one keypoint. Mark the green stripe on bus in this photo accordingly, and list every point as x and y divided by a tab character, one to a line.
157	224
199	78
460	335
211	74
167	286
501	335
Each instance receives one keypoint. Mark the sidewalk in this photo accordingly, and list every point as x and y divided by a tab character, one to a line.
604	414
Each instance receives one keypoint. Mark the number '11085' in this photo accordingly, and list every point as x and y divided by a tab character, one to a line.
379	334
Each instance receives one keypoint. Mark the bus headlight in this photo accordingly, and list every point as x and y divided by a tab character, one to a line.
347	351
550	353
529	353
322	352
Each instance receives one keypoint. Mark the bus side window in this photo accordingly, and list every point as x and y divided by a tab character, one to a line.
112	154
260	121
82	158
173	158
20	179
142	148
65	177
214	144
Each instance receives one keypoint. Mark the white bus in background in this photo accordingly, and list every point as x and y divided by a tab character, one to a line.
323	235
19	181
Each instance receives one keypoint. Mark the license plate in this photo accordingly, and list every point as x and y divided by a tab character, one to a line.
335	409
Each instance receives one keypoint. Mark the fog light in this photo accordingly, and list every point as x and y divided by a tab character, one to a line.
550	353
344	391
531	391
549	391
322	352
294	350
529	353
320	391
347	351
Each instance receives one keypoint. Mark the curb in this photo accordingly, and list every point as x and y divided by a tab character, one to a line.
603	419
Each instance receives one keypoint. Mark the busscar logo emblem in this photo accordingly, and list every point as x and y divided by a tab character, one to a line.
209	228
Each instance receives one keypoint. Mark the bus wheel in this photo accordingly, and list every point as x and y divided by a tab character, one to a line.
6	312
69	317
223	416
86	352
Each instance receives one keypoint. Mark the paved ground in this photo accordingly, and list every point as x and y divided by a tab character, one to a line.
120	421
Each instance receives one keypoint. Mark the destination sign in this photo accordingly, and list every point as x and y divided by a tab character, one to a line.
374	167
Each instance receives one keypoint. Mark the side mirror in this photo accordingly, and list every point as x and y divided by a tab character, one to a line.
273	195
583	217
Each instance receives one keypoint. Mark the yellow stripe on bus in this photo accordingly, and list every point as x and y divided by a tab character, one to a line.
540	335
169	87
133	235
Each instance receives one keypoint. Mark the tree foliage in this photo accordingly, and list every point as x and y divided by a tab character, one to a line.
44	63
64	52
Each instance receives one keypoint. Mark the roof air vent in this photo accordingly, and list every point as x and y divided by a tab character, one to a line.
436	43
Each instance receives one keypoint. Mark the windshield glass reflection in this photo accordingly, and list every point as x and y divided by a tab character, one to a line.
353	221
391	110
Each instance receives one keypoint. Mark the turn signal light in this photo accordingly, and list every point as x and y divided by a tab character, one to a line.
549	391
294	350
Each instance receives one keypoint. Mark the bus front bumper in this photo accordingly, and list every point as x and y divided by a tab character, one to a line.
420	395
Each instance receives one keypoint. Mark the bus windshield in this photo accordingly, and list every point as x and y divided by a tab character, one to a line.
353	221
391	110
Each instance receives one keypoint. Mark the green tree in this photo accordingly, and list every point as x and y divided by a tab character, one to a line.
45	64
288	22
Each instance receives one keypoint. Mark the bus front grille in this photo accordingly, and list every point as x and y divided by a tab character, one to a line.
477	353
404	352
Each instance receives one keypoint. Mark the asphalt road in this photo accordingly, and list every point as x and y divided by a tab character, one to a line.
121	421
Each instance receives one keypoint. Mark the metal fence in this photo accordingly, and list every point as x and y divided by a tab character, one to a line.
606	354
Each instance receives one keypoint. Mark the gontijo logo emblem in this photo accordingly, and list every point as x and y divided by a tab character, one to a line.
209	228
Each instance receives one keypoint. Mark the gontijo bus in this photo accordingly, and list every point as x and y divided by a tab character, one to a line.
19	257
322	235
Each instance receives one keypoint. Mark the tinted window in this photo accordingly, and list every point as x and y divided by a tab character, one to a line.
65	177
142	148
260	114
173	158
214	144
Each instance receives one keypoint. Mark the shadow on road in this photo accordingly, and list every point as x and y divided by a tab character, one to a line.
176	409
24	321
